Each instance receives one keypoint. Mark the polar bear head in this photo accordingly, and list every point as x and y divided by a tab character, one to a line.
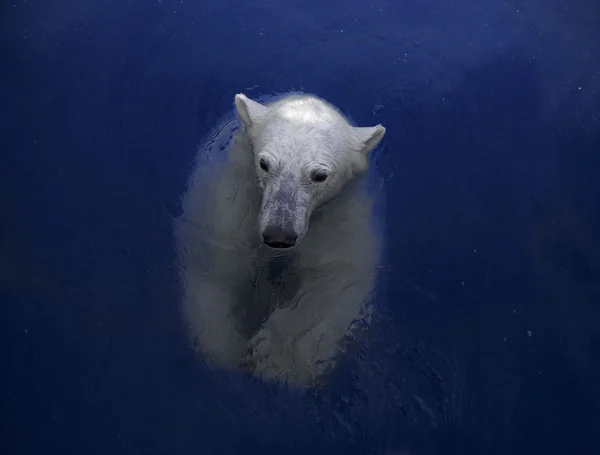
305	152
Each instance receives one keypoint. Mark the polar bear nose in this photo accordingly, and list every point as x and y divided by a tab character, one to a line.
278	237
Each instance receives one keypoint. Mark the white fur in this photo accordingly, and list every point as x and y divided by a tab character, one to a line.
287	327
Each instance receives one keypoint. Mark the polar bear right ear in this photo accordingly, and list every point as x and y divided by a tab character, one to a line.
250	112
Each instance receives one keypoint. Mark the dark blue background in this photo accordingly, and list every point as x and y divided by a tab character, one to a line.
488	332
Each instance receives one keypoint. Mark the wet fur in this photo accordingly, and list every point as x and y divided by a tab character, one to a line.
281	315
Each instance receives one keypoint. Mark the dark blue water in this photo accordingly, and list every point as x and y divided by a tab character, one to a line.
487	339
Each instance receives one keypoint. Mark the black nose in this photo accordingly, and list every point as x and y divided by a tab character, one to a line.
277	237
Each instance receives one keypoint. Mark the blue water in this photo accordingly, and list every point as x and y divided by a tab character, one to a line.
487	336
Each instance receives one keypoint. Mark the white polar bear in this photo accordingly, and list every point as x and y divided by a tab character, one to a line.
276	249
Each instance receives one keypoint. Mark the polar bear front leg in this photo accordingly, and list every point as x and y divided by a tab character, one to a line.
208	309
299	343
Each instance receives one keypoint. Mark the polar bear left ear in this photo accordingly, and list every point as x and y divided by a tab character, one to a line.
366	139
250	112
369	137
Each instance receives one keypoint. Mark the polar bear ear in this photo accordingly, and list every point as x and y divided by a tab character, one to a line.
368	137
250	112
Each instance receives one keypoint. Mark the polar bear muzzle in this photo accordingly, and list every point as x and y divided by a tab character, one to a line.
279	236
284	212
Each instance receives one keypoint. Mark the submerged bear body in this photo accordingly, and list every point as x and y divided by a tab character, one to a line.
276	249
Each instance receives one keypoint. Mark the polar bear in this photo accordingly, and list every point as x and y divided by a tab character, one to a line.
276	249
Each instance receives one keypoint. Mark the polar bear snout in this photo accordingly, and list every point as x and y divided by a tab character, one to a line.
279	237
283	217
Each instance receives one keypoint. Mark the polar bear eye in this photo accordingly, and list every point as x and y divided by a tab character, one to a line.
318	176
263	164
